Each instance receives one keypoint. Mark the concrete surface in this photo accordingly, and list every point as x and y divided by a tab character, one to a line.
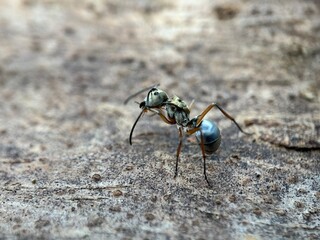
66	168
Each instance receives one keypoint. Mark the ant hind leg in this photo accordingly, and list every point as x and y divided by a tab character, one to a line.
227	115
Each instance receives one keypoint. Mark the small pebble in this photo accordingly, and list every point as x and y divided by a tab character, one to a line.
115	209
96	177
149	216
117	193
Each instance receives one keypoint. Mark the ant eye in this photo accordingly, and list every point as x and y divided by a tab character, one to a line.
156	93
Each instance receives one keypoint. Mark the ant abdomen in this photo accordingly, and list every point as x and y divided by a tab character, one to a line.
211	136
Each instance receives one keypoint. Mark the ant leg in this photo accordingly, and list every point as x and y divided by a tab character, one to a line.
227	115
178	151
163	117
160	113
192	131
134	125
204	159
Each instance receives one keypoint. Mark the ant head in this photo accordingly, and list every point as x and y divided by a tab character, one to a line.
155	98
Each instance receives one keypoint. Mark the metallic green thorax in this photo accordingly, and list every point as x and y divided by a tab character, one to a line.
178	110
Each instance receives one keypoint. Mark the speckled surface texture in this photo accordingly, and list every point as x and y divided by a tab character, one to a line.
67	170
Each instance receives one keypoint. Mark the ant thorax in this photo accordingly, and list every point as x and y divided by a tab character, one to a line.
177	109
178	102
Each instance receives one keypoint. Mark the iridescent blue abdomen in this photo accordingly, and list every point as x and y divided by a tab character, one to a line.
211	136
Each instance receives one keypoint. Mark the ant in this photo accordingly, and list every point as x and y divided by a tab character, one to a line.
175	111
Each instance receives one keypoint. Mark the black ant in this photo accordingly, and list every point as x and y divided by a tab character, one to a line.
175	111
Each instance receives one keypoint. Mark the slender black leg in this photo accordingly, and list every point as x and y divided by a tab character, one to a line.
204	159
178	151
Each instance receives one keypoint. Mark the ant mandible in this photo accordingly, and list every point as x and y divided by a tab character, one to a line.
175	111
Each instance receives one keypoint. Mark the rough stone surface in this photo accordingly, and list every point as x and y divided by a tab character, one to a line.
66	168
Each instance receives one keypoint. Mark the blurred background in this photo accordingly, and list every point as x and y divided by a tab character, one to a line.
67	66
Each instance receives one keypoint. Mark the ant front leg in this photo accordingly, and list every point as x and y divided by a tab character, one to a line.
159	112
178	151
227	115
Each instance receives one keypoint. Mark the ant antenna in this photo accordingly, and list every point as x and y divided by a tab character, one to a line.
134	125
141	91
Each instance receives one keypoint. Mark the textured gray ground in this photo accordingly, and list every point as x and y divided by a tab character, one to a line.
66	168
